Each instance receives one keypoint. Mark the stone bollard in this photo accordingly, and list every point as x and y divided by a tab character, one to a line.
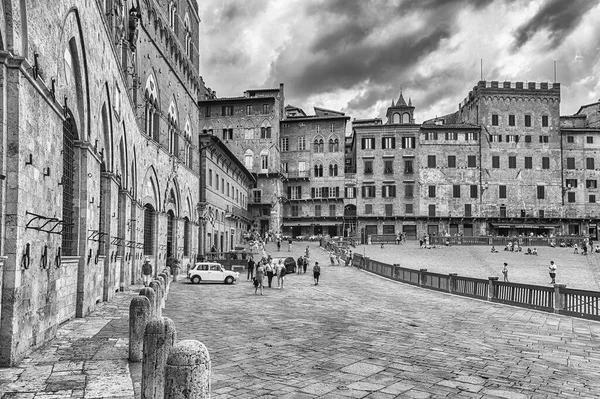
188	371
139	315
560	300
491	294
176	271
151	295
159	338
422	277
163	285
167	283
155	285
452	282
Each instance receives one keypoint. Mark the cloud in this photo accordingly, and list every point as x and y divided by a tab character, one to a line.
555	17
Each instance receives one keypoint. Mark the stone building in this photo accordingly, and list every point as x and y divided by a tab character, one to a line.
386	190
312	161
99	156
249	125
223	207
580	135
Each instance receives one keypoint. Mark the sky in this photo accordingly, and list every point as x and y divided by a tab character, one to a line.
356	56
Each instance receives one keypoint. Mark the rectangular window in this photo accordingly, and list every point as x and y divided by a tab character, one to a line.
570	139
227	110
451	136
264	162
494	120
227	134
318	128
452	161
368	191
331	128
368	167
389	210
502	211
543	139
368	143
217	182
527	120
473	190
285	144
541	192
265	132
431	136
456	191
468	210
571	183
545	162
528	139
388	166
495	161
223	185
431	210
544	120
408	208
570	163
388	191
331	210
408	166
295	210
590	184
512	162
284	167
571	197
511	120
528	162
368	209
431	190
301	144
471	161
389	229
350	192
249	109
472	136
431	161
592	198
317	210
265	109
589	163
589	139
388	143
207	112
541	213
502	191
408	142
408	191
496	138
257	196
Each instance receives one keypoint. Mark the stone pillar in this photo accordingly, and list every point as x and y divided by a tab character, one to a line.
452	282
163	285
491	294
422	277
188	371
167	284
159	338
155	285
396	271
560	299
139	315
151	295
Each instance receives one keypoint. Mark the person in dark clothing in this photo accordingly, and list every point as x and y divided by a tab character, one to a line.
299	264
316	272
305	264
250	268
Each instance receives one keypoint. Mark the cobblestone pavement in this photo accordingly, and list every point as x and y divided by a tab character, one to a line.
356	335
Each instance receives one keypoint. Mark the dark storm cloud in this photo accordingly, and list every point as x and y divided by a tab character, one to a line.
558	17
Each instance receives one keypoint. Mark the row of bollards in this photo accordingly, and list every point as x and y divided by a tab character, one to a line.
169	370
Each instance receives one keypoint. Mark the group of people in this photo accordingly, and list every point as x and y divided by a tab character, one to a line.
551	270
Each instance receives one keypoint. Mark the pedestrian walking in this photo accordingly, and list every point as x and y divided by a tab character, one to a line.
332	258
316	272
147	272
505	272
398	239
269	270
575	250
258	279
552	270
278	272
307	252
281	276
290	245
299	264
250	268
305	264
278	245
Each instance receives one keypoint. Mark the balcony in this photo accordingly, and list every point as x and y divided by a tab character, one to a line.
298	174
238	213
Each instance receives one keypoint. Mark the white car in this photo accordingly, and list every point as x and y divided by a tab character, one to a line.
211	272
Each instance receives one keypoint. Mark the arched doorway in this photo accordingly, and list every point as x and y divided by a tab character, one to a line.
69	242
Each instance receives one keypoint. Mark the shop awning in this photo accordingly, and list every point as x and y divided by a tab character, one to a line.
524	226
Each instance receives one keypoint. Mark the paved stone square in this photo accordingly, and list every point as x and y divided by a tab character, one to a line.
360	336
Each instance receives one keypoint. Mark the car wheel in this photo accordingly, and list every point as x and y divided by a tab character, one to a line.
229	280
196	279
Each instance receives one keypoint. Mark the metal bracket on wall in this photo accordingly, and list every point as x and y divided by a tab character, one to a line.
45	224
26	259
117	240
96	235
44	258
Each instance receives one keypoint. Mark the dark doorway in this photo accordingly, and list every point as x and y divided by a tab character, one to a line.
410	231
170	228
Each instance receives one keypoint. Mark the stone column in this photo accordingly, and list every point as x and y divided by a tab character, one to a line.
188	371
422	277
159	338
560	299
452	282
491	294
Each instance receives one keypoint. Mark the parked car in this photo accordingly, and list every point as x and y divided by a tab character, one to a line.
211	272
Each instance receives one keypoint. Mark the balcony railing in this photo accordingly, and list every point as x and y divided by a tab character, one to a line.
298	174
238	213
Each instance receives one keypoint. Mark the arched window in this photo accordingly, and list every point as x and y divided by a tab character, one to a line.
264	160
405	118
330	145
249	159
170	234
336	145
68	189
396	118
173	131
188	156
333	169
318	170
151	111
186	236
148	229
318	145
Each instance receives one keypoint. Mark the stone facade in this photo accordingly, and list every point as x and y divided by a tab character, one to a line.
312	158
100	160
